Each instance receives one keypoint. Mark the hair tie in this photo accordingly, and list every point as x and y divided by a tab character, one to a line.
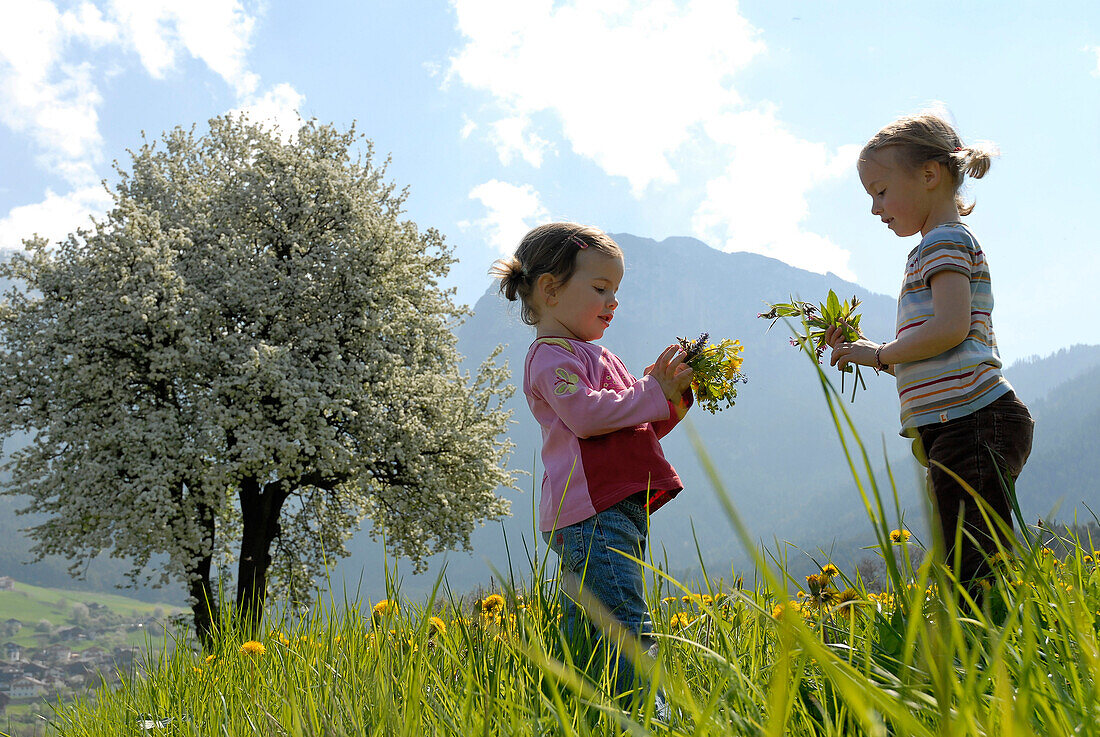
958	148
580	242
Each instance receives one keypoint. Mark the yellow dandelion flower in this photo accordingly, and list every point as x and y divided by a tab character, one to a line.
847	595
382	609
209	658
492	603
253	648
680	620
338	639
830	570
792	606
196	669
1087	559
900	536
707	599
436	627
669	600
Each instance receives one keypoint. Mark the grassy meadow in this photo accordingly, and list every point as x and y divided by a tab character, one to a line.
767	654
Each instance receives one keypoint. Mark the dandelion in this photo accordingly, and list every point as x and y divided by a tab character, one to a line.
817	582
209	658
252	647
669	600
900	536
492	603
196	669
846	596
680	621
381	609
787	606
436	627
830	570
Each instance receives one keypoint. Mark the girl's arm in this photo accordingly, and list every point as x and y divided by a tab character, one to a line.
677	411
948	326
561	380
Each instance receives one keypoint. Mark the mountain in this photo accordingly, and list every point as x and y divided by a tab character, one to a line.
776	451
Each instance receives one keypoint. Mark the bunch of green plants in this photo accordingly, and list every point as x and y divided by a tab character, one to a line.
814	321
717	371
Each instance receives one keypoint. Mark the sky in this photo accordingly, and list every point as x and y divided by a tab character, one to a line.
735	123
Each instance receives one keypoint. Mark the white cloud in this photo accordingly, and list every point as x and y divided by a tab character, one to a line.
49	91
279	107
512	211
629	81
760	202
51	101
468	127
216	32
55	217
513	136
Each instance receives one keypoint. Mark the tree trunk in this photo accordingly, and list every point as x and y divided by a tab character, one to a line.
204	599
260	510
204	605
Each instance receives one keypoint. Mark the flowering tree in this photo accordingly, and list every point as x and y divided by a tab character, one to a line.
246	357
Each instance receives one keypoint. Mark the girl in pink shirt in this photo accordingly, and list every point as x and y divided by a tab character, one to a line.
604	468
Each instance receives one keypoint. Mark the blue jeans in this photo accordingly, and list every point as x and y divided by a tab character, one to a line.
591	564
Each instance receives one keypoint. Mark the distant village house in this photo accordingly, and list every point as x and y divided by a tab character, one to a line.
28	688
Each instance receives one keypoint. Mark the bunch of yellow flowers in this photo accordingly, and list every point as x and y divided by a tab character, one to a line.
717	370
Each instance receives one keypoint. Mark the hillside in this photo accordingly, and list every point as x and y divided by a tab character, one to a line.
32	605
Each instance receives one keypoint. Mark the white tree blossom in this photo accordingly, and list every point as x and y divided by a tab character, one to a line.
248	355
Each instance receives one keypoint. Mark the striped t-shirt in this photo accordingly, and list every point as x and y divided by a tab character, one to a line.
965	378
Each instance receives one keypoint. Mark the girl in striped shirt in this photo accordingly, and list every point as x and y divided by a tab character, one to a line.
963	415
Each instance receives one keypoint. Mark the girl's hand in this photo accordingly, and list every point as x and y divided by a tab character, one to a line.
835	334
861	352
670	371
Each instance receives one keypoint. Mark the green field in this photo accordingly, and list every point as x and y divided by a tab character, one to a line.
32	604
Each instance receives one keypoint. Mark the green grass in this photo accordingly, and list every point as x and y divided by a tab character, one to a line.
740	657
32	604
29	604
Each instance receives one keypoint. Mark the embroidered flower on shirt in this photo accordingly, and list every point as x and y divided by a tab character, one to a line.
566	383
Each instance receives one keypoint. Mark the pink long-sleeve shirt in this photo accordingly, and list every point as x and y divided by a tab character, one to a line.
600	431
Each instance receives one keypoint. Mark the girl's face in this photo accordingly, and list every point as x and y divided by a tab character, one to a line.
900	197
583	307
